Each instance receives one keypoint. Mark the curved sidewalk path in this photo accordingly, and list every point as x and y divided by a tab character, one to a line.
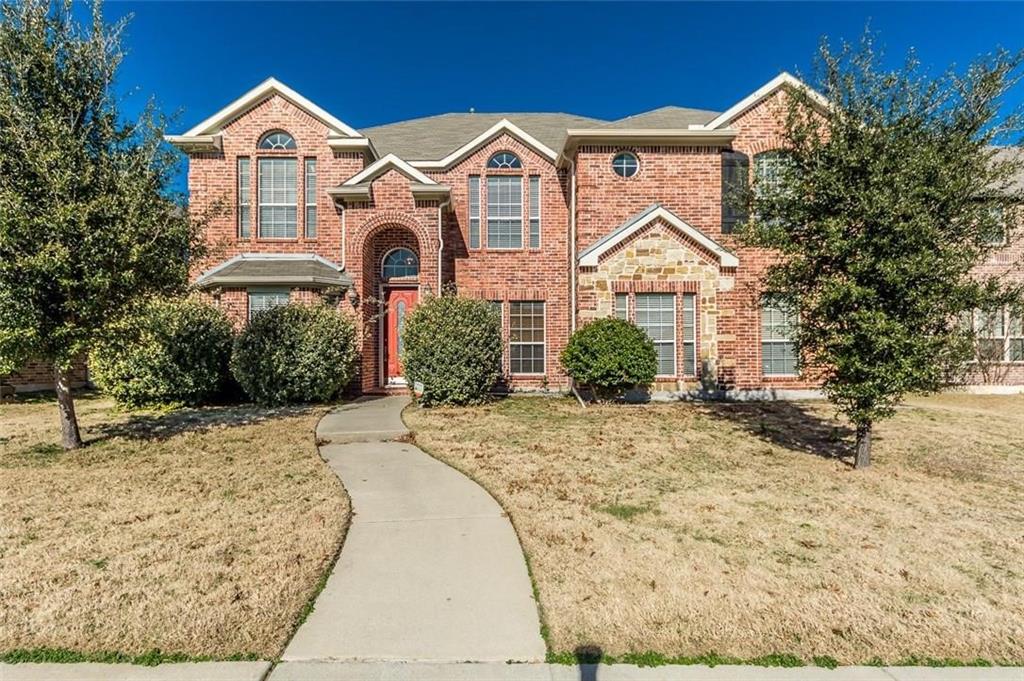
431	569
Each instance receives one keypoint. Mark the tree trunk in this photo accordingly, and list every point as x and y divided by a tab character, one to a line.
863	459
71	438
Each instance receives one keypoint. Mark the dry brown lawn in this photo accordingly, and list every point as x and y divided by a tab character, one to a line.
199	532
688	529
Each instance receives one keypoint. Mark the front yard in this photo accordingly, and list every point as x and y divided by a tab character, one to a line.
196	532
688	529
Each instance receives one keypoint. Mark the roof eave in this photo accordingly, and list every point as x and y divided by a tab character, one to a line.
196	143
576	138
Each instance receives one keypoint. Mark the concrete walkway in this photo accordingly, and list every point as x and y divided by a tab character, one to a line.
92	671
431	569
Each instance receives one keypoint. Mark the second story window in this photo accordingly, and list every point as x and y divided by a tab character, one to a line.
277	140
997	233
735	169
244	206
309	190
625	164
504	211
505	160
474	211
277	198
770	168
534	211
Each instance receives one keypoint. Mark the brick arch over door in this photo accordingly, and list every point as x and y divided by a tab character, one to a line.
371	242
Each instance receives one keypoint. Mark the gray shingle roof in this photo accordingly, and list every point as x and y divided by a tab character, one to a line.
666	117
1012	153
434	137
269	270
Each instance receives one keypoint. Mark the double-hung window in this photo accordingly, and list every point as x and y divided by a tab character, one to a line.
504	211
244	205
689	334
526	337
990	326
264	299
1015	340
309	192
278	209
656	315
474	211
534	211
778	350
735	168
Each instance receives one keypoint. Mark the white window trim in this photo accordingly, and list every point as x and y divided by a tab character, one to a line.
409	277
540	211
1006	337
544	344
309	197
760	348
259	198
615	305
248	195
469	208
264	290
623	152
485	240
675	331
682	337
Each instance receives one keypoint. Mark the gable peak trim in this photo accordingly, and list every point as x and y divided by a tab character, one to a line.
591	256
783	80
503	126
382	165
258	94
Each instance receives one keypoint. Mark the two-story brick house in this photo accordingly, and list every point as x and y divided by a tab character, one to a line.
557	219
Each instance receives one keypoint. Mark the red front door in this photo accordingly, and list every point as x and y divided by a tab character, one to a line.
398	302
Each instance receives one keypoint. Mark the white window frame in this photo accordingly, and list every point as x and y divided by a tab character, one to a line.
674	326
622	313
765	305
511	179
689	347
534	191
244	194
404	277
1014	334
277	292
309	184
473	187
543	344
615	168
270	161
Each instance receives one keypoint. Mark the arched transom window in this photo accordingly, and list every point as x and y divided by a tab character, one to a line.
504	160
277	140
401	262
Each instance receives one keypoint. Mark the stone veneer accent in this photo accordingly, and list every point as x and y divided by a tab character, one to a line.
660	260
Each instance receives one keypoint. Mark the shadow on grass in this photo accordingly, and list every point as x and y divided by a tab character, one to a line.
161	426
793	425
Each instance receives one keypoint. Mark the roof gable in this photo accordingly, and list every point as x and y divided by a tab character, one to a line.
504	126
384	164
591	256
271	86
783	80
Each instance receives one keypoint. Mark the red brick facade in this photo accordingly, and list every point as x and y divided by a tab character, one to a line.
356	233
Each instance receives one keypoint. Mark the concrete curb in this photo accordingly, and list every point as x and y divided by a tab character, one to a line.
93	671
402	671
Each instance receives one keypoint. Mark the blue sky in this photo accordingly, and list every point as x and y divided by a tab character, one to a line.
376	63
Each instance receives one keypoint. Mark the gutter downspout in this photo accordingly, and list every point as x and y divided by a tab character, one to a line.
344	212
440	241
572	245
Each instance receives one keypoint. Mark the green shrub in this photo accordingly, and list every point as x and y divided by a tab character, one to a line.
172	351
295	353
611	356
453	348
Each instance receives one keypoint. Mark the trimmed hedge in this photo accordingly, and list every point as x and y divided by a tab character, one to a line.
172	351
611	356
453	348
295	353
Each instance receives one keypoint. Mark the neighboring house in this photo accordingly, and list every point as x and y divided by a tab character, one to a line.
558	219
